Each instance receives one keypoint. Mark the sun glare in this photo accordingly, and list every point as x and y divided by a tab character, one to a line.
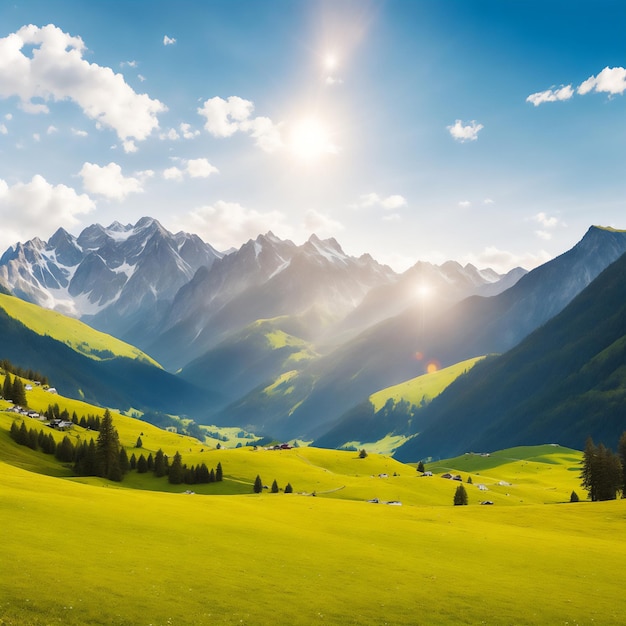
330	61
310	139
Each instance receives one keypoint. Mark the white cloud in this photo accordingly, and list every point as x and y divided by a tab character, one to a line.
200	168
488	201
502	261
51	130
225	117
551	95
373	199
141	77
610	80
129	146
79	133
3	129
173	173
57	71
171	134
469	132
168	41
194	168
31	209
36	136
8	116
128	63
187	131
228	224
464	204
320	224
542	234
108	181
545	221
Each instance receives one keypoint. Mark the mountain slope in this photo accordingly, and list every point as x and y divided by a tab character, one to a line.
564	382
116	382
429	333
113	276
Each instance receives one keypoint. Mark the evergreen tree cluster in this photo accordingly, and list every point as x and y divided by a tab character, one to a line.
54	411
603	475
14	391
6	366
179	473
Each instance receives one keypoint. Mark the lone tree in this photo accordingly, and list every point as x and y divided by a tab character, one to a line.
602	474
460	496
108	450
219	473
420	467
258	484
574	497
139	443
362	453
288	488
274	487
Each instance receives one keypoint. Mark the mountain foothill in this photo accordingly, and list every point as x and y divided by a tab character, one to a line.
292	341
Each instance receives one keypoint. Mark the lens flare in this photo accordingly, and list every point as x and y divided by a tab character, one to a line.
432	367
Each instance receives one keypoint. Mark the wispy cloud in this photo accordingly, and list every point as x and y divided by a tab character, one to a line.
168	41
372	199
467	132
551	95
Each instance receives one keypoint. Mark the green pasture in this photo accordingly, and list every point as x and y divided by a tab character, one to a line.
424	387
95	554
75	334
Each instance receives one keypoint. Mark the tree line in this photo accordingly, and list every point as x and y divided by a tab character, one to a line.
14	391
107	458
28	374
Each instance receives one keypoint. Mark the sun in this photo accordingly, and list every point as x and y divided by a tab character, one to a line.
310	139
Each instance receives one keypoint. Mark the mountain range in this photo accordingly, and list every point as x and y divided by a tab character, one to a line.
291	340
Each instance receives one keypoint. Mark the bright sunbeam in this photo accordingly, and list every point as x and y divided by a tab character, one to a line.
330	61
423	291
310	139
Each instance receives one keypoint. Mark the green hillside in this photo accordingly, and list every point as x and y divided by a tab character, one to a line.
422	389
73	333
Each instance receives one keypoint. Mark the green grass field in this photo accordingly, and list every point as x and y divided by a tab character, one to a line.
87	551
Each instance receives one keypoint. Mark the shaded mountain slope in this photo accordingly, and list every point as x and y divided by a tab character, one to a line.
428	333
566	381
118	382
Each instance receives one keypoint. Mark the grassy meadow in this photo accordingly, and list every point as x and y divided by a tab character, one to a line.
87	551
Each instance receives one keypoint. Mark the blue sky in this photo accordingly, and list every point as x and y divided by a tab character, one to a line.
491	132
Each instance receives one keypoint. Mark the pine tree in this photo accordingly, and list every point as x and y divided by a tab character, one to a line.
142	464
574	497
258	485
159	463
139	443
19	394
108	450
7	387
176	473
274	487
65	451
363	453
150	462
288	488
133	461
460	496
219	474
124	462
420	467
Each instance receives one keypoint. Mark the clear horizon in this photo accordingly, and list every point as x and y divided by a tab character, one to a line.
482	132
